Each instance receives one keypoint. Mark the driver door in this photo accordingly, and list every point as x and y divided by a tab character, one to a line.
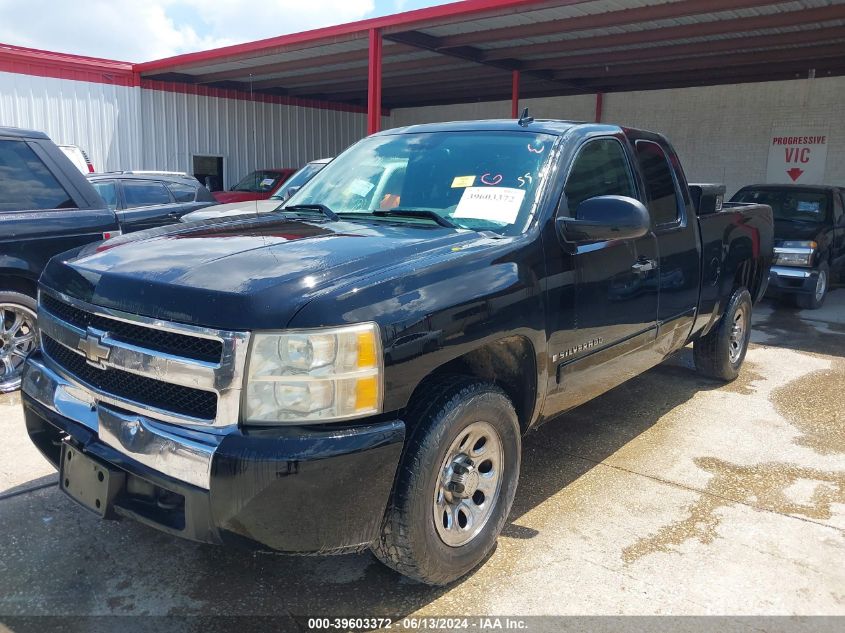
616	289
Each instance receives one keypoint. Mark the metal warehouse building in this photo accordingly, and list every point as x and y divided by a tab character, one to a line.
732	83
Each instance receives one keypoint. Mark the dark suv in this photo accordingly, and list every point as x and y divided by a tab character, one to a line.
144	200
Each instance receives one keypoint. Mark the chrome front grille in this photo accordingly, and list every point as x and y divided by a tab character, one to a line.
172	372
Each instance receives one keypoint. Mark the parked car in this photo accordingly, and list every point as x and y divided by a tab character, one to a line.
288	188
79	158
359	370
46	207
146	199
809	239
257	185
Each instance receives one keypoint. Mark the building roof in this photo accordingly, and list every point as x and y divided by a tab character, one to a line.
466	51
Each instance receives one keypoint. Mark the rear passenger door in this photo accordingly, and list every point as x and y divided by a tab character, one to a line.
146	204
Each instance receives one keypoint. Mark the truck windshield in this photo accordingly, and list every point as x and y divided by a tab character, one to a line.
789	204
476	180
258	182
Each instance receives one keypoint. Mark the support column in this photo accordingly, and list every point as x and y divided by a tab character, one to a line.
599	106
515	94
374	83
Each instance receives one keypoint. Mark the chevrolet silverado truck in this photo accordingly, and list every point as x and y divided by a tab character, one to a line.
357	369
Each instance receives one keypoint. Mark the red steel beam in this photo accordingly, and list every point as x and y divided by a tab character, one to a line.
599	106
637	15
668	33
374	83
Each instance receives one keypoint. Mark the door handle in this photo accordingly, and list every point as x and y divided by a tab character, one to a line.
644	266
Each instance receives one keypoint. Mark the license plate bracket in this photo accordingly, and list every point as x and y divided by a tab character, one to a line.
90	482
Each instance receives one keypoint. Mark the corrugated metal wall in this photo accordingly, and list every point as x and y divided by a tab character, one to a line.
248	134
98	117
139	128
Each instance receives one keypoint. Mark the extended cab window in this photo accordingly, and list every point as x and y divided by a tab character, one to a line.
659	182
486	180
143	193
600	169
108	192
26	183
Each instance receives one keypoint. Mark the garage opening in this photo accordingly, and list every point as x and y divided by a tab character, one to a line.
209	171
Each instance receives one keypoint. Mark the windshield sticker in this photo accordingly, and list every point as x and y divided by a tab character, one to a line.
806	206
488	179
267	182
526	179
360	187
496	205
460	182
536	147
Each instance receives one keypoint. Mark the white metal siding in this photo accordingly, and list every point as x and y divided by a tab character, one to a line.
97	117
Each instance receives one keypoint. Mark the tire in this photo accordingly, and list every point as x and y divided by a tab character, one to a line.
444	415
815	300
719	354
18	336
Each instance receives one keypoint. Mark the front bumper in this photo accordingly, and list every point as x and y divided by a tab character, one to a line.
792	280
291	489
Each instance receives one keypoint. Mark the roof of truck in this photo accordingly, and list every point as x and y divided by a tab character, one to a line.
557	127
21	133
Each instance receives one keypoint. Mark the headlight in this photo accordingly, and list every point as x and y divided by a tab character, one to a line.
794	253
316	375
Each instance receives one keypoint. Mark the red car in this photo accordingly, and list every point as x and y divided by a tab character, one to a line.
258	185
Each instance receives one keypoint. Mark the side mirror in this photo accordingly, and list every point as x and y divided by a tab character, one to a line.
291	190
605	218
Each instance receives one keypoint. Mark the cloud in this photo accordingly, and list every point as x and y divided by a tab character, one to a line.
139	31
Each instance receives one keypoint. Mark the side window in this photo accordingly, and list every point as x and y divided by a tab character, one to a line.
108	192
182	192
26	183
663	201
143	193
599	169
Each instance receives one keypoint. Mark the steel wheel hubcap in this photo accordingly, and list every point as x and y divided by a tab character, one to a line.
468	485
17	339
737	335
821	285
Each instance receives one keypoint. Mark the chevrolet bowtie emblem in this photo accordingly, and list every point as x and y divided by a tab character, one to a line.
92	346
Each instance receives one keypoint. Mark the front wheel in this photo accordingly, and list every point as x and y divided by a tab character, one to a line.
815	299
719	354
17	336
456	482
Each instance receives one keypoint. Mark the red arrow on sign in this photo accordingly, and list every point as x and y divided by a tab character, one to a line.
795	173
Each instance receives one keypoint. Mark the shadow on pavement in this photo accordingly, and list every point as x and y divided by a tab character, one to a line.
783	325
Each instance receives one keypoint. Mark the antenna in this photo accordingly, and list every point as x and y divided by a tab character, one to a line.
525	119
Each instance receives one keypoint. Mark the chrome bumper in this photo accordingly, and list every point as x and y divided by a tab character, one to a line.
791	273
153	444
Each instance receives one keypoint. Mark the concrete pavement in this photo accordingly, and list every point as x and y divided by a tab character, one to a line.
669	495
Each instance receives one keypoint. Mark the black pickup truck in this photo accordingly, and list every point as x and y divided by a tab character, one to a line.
357	369
809	239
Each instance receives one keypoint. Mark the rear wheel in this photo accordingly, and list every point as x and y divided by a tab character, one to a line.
17	336
720	353
815	299
456	482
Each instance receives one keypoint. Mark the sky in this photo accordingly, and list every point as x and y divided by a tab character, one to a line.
141	30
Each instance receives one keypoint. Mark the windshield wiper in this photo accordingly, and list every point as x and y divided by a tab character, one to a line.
331	215
418	213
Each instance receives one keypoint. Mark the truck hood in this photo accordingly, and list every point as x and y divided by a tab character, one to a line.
792	230
250	273
233	209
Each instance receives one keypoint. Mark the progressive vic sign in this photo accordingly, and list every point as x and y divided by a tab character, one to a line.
797	156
